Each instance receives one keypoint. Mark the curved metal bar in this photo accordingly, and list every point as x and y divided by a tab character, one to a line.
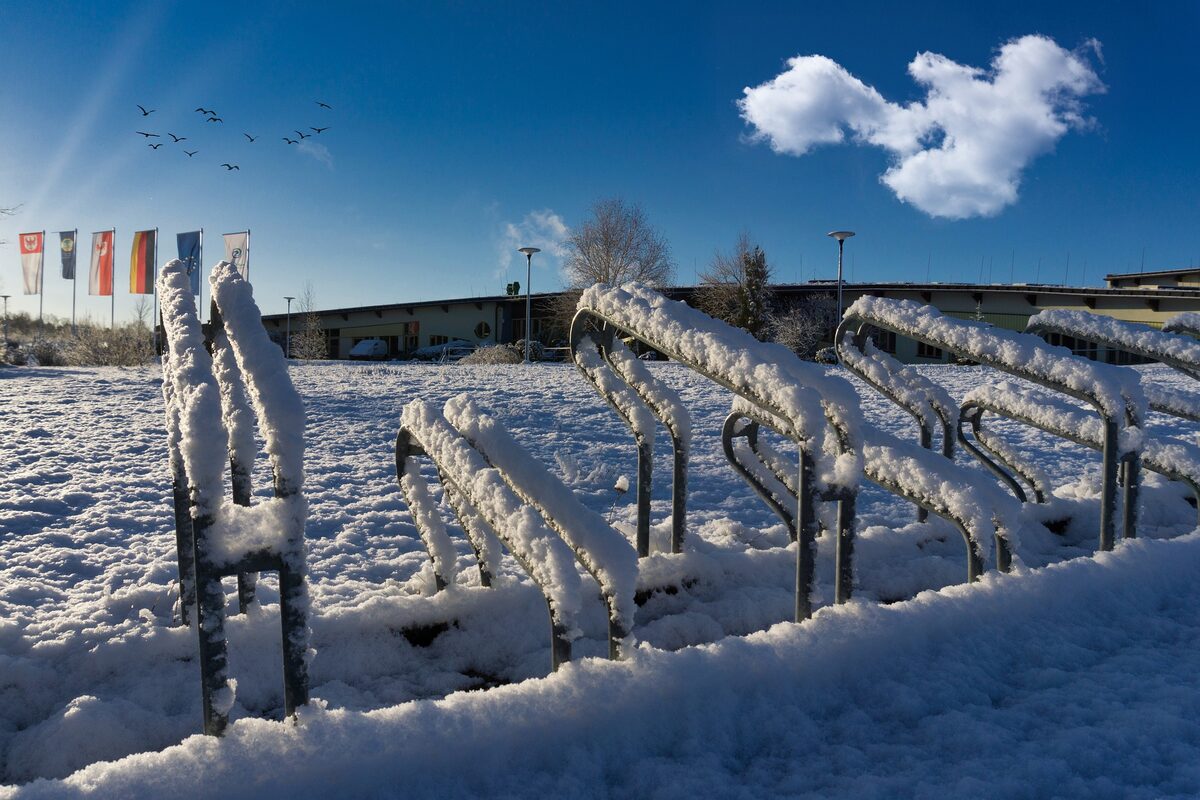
780	503
1113	422
974	557
645	444
970	414
1181	353
408	446
851	349
1154	455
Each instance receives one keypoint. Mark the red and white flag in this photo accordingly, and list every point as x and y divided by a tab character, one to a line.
101	279
237	252
32	254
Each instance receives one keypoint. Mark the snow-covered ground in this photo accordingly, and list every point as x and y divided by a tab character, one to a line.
1073	680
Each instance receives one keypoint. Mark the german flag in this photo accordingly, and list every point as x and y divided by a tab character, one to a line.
141	262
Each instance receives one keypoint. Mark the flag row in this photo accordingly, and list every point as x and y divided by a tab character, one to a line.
142	258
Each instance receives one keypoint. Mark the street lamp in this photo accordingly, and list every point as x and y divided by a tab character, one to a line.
287	342
841	237
5	296
528	251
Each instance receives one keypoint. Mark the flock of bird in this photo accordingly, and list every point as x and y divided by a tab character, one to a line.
211	117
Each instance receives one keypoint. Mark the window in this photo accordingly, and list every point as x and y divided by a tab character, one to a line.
483	330
435	339
884	340
928	351
1079	347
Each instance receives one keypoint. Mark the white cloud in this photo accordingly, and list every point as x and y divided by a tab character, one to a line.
317	151
543	229
959	152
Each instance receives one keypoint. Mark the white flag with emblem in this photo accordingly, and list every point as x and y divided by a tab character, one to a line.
31	261
237	252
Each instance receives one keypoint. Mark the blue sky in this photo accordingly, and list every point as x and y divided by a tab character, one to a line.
451	123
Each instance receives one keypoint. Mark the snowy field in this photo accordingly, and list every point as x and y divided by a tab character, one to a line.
1073	677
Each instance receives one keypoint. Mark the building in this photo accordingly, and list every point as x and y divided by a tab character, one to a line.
1150	299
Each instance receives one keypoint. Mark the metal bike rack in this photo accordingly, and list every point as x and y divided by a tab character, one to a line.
788	389
1186	323
1172	458
191	396
545	533
768	475
1114	392
929	404
1180	352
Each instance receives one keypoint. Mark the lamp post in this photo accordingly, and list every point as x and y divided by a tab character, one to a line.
528	251
5	296
841	237
287	342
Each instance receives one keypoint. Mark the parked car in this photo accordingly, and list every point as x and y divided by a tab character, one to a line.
452	350
369	350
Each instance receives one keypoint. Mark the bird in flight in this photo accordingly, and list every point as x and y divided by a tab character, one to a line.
204	110
289	141
191	153
214	119
248	136
145	113
303	135
318	130
148	135
323	105
154	146
177	139
231	166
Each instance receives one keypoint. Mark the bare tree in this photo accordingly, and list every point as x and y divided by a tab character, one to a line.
617	244
8	212
736	288
308	341
805	325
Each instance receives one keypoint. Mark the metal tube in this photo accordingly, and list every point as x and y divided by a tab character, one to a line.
528	304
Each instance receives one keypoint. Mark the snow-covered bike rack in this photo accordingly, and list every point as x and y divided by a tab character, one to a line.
1180	352
815	409
215	538
1115	393
929	404
1170	457
639	399
500	492
929	480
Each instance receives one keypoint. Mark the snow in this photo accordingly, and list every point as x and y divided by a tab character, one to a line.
623	399
1115	390
765	373
1073	676
1181	352
1187	322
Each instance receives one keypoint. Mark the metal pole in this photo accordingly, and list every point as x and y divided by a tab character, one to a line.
841	243
42	290
528	321
74	279
5	296
287	342
112	280
154	295
200	281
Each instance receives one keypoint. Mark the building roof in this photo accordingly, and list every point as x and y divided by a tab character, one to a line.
1153	272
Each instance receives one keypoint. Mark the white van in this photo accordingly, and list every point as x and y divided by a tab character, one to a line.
369	350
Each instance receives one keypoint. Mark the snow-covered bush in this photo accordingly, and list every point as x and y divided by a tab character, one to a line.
496	354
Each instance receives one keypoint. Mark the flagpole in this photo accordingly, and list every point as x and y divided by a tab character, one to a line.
42	290
154	294
247	255
200	279
112	279
74	279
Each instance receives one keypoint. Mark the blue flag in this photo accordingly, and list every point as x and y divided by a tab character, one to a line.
189	254
66	244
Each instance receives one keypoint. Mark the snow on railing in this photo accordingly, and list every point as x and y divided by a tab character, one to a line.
1186	323
1170	457
229	538
599	549
476	484
1114	392
820	412
982	514
1177	351
927	402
